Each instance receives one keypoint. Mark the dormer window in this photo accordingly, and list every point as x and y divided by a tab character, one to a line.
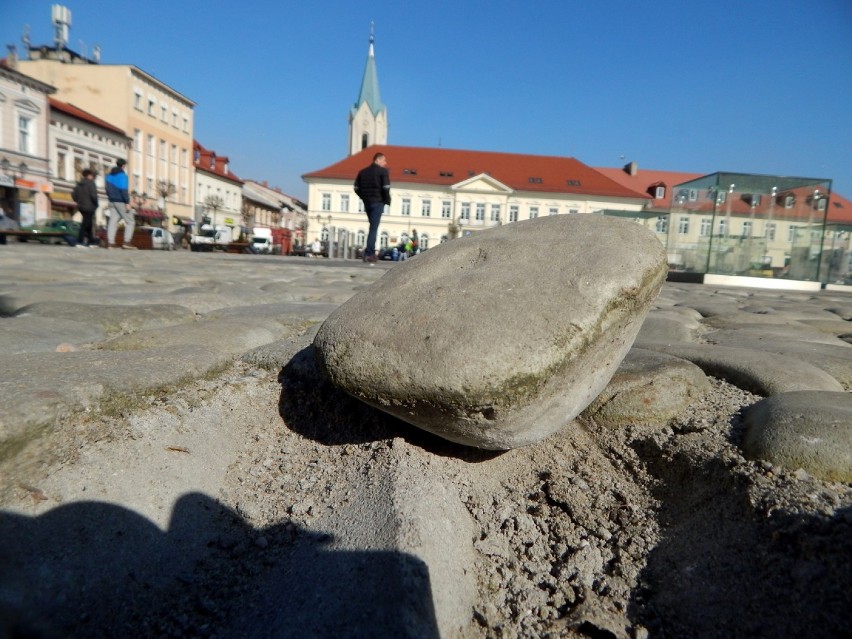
573	182
535	180
659	193
789	201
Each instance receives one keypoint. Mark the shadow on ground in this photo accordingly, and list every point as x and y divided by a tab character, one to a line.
313	407
92	569
723	570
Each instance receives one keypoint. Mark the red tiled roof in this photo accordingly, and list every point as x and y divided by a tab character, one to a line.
839	210
77	112
206	156
647	180
445	167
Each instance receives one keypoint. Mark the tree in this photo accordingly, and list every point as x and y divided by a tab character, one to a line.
214	203
164	190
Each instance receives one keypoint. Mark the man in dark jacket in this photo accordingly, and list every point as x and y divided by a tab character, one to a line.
85	194
373	187
119	198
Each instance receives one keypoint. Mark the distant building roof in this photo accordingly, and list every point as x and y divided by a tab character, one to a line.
446	167
647	180
80	114
206	161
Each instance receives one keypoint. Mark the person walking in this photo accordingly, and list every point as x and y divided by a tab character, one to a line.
373	187
85	194
119	198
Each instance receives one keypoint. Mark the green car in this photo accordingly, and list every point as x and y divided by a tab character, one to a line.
68	228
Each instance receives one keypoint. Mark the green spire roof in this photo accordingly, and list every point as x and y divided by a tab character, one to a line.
370	84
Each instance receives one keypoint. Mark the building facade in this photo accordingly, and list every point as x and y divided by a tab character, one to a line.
443	193
218	191
158	120
270	207
79	140
24	168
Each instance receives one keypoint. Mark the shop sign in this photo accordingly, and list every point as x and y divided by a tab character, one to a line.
5	180
229	220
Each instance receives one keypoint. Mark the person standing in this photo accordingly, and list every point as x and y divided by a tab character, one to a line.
119	198
373	187
85	194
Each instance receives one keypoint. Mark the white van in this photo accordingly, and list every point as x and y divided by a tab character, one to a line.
160	238
261	240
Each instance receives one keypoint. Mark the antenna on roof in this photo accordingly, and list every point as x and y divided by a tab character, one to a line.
26	37
61	18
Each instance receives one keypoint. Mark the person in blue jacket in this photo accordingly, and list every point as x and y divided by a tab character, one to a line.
119	198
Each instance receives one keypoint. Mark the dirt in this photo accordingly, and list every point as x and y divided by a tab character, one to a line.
644	531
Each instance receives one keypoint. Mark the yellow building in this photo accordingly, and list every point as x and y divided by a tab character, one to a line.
158	120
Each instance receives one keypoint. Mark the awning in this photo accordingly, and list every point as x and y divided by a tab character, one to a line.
62	200
150	214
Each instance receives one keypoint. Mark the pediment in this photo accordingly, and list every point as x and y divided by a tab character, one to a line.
482	183
27	105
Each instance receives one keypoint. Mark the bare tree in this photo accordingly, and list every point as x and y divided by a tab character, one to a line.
214	203
164	190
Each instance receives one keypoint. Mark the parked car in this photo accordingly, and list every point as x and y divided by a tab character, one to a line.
69	228
160	238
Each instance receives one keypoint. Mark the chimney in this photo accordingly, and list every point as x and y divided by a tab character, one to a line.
12	58
631	168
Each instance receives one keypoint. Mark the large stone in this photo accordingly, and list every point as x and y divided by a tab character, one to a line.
804	429
498	339
648	388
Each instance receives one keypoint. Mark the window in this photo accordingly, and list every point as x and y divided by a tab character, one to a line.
150	145
446	209
426	208
533	212
662	225
344	203
747	228
723	227
495	212
704	230
789	201
573	211
683	225
383	239
406	206
60	164
164	113
25	141
553	211
78	167
137	100
424	242
326	201
513	213
360	238
693	195
770	230
150	106
465	211
185	124
659	192
175	119
480	212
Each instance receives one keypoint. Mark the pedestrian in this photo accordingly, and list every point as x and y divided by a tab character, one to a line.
85	194
119	198
415	244
373	187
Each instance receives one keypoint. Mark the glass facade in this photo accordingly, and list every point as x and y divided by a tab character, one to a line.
752	225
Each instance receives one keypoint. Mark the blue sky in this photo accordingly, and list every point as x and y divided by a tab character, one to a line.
760	86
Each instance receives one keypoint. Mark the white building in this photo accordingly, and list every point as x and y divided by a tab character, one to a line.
441	193
218	192
80	140
24	169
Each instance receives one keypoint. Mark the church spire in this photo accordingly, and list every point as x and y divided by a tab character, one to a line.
370	82
368	123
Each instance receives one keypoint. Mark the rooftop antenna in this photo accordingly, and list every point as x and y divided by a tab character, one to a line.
26	37
61	18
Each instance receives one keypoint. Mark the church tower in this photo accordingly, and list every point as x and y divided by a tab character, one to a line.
368	117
